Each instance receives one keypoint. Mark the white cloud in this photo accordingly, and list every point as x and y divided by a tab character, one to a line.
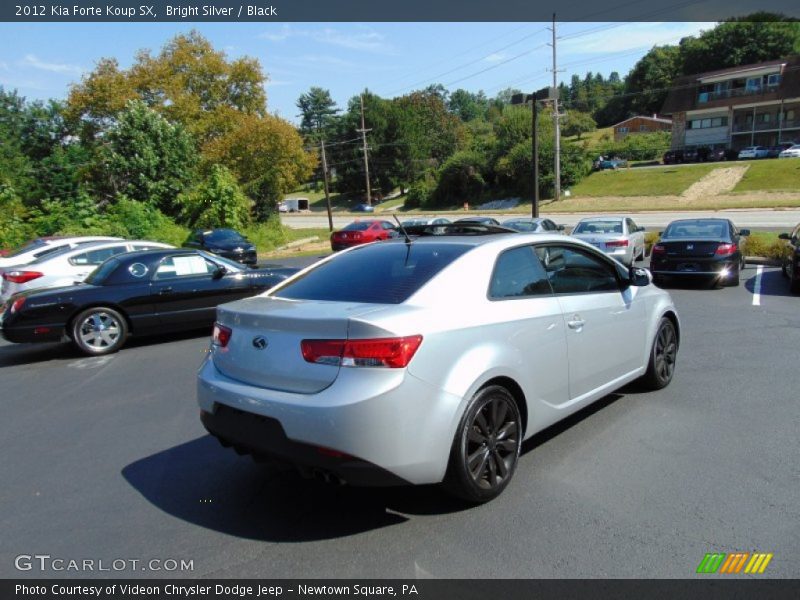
31	60
496	57
364	39
3	66
619	37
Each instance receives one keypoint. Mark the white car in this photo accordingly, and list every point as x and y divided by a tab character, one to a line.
754	152
791	152
43	246
618	237
431	359
66	266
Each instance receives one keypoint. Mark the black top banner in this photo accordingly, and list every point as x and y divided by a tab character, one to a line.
385	10
416	589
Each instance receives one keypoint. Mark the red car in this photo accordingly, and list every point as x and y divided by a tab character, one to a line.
362	232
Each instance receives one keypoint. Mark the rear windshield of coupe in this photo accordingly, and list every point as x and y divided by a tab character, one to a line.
696	229
380	274
360	226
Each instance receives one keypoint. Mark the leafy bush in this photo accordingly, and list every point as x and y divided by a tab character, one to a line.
767	245
13	229
420	192
640	146
267	235
460	178
217	201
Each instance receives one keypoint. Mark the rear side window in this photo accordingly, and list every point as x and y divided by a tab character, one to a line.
380	274
96	257
518	274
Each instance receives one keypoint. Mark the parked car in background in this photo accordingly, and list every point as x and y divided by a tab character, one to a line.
710	248
227	243
478	219
754	152
539	225
362	232
791	261
153	291
619	237
425	221
66	267
42	246
673	157
791	152
775	151
706	154
431	360
691	155
610	163
364	207
283	207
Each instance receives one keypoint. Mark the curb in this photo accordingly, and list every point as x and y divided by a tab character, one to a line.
297	243
760	260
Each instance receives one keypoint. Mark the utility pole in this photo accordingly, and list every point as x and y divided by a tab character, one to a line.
327	190
535	150
557	144
363	131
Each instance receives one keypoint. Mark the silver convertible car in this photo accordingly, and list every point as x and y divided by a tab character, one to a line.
431	359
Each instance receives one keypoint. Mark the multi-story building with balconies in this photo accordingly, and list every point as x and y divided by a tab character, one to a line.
751	105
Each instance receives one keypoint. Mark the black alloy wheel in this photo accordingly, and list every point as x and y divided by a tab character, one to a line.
663	356
487	446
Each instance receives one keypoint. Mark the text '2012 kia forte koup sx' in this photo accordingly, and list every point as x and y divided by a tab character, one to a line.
431	359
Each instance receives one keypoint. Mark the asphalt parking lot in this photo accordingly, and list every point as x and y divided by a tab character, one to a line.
105	459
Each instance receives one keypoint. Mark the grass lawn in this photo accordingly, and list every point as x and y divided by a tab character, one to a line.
775	175
658	181
591	139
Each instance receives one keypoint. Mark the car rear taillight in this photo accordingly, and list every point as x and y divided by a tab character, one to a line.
21	276
17	304
726	249
221	336
617	244
658	249
394	353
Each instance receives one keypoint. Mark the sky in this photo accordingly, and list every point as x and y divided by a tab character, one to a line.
42	60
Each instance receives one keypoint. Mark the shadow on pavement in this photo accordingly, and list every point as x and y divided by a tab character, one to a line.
205	484
773	283
23	354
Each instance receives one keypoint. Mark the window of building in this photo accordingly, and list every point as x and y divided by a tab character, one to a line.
753	83
708	123
773	80
622	130
644	128
763	118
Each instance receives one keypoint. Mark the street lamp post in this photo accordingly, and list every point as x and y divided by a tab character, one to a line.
534	100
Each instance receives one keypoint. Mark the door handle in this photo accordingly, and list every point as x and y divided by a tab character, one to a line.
164	291
576	322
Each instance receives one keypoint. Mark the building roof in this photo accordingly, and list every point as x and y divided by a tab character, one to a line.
654	119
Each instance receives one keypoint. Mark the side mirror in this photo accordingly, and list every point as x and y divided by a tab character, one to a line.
641	228
784	236
640	277
560	227
744	232
220	272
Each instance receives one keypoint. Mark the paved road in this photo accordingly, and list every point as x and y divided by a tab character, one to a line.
105	458
779	220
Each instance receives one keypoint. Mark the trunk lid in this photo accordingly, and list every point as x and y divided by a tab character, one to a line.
691	248
600	240
264	349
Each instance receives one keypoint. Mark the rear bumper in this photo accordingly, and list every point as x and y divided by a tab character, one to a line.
393	426
688	267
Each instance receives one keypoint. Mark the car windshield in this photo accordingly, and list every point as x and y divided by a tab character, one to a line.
26	248
360	226
219	235
597	226
695	229
522	225
101	273
380	274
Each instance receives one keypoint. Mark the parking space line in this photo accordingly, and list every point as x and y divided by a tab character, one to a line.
757	286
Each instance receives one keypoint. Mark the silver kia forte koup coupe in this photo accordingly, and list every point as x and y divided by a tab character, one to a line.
431	358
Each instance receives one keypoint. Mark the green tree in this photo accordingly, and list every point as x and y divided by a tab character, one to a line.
147	158
466	105
317	110
267	156
577	123
217	201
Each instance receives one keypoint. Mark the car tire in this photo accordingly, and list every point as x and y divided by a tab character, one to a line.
99	330
486	447
663	355
794	286
784	272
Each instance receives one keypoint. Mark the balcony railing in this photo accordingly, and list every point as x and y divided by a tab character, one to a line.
704	97
771	125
